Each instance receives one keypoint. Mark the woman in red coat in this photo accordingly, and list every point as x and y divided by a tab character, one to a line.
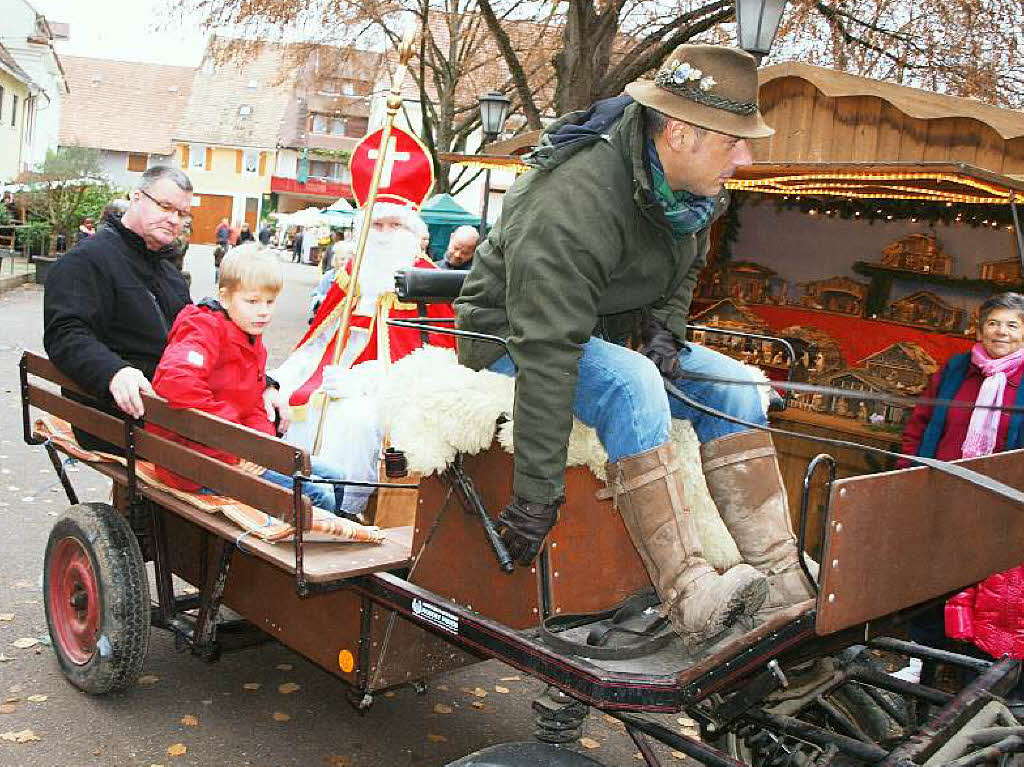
989	614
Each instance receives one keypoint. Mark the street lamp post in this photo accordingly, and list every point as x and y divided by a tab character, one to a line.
757	23
493	114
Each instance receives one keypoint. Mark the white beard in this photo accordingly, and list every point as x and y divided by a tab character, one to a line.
385	254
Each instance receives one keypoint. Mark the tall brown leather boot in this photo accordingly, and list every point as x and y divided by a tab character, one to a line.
742	473
648	492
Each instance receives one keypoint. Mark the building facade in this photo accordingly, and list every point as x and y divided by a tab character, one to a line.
17	92
29	38
227	140
112	107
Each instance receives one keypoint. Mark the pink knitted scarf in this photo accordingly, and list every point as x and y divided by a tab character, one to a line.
981	434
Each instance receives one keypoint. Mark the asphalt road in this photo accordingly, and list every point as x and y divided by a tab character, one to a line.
206	708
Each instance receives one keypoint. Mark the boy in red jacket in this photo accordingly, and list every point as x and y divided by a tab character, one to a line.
215	361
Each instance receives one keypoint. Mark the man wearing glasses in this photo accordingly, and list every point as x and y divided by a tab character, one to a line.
111	300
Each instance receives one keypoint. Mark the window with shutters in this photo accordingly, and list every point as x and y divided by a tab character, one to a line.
320	123
137	163
251	162
197	156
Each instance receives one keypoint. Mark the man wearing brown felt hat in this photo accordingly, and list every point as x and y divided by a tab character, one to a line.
596	254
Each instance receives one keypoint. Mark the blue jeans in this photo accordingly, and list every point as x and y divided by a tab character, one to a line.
620	394
325	496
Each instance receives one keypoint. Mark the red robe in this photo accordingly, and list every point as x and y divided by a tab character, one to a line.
398	341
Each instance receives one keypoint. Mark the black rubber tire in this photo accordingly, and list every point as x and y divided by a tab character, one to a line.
123	619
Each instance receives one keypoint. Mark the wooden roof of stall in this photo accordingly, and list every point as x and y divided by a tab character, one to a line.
825	116
844	135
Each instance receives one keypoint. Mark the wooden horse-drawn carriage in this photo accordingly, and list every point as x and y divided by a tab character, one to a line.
802	688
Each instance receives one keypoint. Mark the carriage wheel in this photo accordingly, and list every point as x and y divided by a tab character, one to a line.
97	598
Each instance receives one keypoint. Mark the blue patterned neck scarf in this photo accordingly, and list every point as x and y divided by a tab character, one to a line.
688	213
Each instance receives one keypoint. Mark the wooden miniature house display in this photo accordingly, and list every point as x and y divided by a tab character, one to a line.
838	294
745	281
904	367
927	310
918	253
1005	270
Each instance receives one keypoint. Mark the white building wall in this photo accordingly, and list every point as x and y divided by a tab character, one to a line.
40	64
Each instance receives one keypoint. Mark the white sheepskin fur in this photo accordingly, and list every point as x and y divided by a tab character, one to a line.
437	408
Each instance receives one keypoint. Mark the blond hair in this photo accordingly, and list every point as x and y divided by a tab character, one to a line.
250	267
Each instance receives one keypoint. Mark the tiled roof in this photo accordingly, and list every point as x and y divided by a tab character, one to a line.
264	82
121	105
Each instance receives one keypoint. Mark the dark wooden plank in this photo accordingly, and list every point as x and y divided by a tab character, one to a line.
900	538
207	471
200	427
223	435
38	365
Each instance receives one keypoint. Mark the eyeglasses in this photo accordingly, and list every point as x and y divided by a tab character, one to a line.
166	207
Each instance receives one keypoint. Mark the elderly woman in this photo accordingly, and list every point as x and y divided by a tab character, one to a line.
991	613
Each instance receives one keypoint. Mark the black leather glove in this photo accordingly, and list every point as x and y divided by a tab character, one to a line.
660	347
524	525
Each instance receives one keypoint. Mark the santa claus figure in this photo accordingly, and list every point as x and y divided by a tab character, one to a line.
353	432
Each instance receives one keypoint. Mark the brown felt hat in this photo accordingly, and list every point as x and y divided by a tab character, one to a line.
711	86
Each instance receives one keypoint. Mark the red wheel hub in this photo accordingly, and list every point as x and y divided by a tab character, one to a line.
74	600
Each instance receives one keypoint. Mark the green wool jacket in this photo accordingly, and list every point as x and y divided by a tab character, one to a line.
582	248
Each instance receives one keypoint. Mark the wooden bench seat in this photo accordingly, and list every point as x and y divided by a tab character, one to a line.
322	561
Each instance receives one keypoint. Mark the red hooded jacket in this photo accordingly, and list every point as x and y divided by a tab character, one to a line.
212	365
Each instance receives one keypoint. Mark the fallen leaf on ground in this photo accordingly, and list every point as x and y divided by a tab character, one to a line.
436	738
478	704
442	708
24	736
7	708
613	721
178	749
36	698
686	721
287	688
25	642
190	721
147	679
97	752
589	743
389	694
284	667
6	616
499	688
442	687
251	686
11	699
510	679
479	692
336	760
678	755
4	658
280	716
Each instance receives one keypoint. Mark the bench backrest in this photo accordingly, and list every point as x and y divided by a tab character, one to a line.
900	538
200	427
